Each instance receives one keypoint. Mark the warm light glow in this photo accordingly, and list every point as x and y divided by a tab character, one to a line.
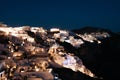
22	71
15	54
54	30
37	69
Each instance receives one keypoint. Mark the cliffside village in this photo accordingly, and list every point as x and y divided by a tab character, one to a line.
30	53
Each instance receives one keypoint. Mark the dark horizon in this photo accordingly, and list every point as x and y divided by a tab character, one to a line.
68	14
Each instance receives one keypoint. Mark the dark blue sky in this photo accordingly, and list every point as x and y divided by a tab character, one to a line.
68	14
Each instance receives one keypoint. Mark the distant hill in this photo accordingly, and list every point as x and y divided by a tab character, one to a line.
90	29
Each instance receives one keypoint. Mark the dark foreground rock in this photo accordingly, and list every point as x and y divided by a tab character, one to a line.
102	59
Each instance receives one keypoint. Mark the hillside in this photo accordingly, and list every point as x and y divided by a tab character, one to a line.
34	53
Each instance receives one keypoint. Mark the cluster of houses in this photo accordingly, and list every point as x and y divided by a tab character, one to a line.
29	53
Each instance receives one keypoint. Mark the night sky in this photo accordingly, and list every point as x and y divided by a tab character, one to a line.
66	14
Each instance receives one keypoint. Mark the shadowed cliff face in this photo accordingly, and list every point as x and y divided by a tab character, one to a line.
111	56
102	59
